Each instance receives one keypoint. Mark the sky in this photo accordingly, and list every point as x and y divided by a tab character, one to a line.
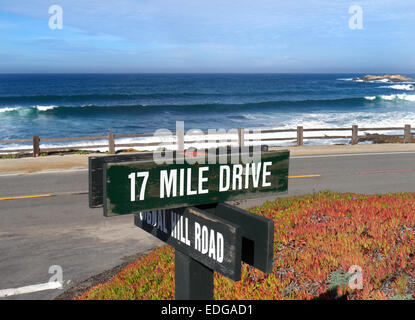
232	36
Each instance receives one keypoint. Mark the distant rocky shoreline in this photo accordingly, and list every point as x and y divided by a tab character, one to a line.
386	78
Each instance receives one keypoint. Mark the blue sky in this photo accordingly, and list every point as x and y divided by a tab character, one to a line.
207	36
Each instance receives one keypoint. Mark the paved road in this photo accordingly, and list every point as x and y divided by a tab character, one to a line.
36	233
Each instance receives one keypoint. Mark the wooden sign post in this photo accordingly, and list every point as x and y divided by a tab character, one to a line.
183	204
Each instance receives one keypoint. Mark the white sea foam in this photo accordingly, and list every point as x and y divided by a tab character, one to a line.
26	110
404	96
8	109
407	87
388	98
45	108
392	97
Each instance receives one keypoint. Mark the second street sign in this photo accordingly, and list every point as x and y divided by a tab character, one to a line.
130	187
214	242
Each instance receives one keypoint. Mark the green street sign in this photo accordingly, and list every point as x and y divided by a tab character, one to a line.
182	203
131	187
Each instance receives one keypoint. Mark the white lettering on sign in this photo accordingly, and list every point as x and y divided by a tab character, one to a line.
198	243
241	177
155	218
237	177
180	228
181	182
219	247
247	167
255	174
202	179
224	178
189	190
205	236
178	182
207	241
132	177
169	182
266	174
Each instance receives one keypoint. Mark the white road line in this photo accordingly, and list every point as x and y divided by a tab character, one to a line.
352	154
29	289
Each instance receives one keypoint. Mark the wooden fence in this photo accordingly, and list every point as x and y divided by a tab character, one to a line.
37	149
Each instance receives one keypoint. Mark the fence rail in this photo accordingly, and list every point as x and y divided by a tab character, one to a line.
36	147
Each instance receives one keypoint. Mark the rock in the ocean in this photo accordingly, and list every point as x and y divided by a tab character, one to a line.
386	77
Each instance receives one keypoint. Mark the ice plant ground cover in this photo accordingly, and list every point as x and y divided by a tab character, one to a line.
318	238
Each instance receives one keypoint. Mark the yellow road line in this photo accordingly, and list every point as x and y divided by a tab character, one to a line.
307	176
26	197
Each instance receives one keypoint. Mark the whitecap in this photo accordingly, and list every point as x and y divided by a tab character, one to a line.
388	98
45	108
8	109
403	96
407	87
408	97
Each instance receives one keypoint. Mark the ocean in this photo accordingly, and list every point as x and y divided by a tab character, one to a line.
71	105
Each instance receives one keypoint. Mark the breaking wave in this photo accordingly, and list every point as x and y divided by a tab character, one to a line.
407	87
57	111
393	97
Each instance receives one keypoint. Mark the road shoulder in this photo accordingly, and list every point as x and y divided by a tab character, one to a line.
74	162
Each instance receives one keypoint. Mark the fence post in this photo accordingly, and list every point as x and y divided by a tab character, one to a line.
36	146
300	136
355	134
407	134
111	143
241	137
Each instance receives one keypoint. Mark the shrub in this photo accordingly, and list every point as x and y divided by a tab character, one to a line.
317	238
